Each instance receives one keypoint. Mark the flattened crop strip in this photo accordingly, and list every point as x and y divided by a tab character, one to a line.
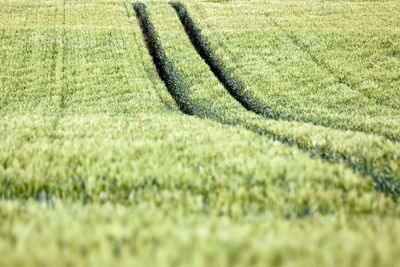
384	183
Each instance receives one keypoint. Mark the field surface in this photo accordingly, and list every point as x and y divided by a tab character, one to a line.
199	133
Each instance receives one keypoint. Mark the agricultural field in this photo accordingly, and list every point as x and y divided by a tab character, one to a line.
199	133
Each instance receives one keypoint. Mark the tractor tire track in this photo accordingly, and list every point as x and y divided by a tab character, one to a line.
235	86
383	182
145	70
164	67
232	84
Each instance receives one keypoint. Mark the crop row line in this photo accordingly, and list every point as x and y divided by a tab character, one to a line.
341	79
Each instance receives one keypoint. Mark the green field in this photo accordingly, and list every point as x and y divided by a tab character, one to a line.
199	133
